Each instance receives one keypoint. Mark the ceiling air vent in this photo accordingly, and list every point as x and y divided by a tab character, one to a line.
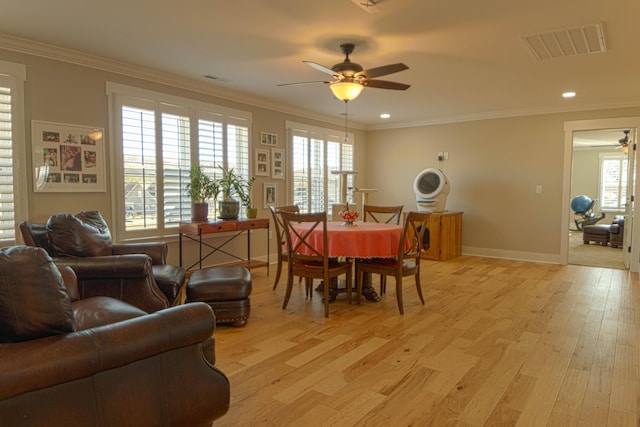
567	42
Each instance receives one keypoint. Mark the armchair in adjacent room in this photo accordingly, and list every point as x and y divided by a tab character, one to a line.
616	232
136	273
68	360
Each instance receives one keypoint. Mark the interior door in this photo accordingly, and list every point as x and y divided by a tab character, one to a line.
630	200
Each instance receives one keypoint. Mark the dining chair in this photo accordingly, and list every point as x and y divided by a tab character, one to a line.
308	257
386	214
405	263
277	220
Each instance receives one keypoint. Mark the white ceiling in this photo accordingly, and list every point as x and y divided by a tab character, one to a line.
467	58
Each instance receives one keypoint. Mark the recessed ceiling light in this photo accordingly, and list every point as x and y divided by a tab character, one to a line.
385	115
568	94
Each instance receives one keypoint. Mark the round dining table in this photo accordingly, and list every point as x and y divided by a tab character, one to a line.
360	240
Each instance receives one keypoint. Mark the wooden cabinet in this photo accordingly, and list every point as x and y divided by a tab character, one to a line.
445	236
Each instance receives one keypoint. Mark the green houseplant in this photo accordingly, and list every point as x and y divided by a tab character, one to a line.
235	189
201	189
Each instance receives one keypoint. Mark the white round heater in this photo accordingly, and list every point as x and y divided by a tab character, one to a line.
432	188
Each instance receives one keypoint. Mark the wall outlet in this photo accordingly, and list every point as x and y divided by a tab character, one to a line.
440	156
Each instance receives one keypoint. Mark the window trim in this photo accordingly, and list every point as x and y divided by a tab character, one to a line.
117	95
14	76
602	157
319	133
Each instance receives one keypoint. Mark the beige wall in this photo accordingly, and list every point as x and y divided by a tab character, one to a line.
62	92
494	165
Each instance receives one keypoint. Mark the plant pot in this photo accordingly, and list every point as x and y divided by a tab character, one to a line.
252	212
229	209
199	211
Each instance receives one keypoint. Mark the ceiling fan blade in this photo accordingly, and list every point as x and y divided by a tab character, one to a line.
383	70
383	84
302	83
319	67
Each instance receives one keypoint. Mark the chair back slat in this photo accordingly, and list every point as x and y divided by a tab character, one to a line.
385	214
300	244
415	224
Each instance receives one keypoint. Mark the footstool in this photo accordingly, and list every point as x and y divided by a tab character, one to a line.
598	233
226	289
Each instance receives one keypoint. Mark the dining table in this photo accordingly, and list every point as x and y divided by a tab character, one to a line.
357	241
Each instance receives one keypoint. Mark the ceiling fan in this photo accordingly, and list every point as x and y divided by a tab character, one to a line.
349	78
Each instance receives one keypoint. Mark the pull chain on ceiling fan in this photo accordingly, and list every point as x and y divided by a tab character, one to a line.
349	78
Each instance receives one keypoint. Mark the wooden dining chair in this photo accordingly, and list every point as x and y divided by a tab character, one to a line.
386	214
405	263
308	257
282	241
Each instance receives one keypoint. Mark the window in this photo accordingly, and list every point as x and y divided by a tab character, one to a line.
315	152
158	138
13	200
613	182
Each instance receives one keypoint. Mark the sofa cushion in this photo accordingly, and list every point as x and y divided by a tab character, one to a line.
99	311
83	235
33	300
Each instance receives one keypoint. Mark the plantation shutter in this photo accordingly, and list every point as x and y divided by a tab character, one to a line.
7	206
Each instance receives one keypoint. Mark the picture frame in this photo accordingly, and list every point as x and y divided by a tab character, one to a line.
270	195
262	163
267	138
277	163
67	158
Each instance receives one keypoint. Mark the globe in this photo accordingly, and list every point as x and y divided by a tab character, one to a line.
581	204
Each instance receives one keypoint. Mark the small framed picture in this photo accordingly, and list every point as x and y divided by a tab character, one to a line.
277	163
262	162
267	138
270	195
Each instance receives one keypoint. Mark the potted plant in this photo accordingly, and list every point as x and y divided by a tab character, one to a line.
233	186
201	188
246	200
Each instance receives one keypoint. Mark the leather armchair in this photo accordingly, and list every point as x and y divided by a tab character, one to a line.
136	273
99	361
616	232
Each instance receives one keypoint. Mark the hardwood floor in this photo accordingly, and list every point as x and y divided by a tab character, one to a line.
498	343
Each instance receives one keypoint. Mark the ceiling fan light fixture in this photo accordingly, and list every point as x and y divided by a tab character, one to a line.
346	91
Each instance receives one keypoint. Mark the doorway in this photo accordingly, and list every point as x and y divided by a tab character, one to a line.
598	196
596	140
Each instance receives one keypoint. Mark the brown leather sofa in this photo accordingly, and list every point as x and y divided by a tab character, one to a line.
136	273
72	361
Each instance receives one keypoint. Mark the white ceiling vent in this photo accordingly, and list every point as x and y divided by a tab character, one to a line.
567	42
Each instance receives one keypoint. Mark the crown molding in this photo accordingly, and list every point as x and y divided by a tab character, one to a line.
85	59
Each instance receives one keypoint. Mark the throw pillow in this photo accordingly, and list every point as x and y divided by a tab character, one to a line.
33	299
83	235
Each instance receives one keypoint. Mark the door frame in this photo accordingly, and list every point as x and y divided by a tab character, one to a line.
579	125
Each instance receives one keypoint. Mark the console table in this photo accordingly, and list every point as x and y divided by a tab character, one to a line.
234	228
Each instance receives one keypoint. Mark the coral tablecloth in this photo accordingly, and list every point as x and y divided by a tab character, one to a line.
361	240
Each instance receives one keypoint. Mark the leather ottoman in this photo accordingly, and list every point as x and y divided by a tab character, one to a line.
598	233
226	289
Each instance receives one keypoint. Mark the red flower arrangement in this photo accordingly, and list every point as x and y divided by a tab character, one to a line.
348	216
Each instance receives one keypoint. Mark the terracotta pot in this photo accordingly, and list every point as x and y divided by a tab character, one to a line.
199	211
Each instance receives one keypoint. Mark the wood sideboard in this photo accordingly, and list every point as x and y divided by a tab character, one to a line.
445	236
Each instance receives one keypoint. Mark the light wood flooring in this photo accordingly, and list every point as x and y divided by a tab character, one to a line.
498	343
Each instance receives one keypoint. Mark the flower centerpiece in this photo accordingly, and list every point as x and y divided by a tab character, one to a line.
348	216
